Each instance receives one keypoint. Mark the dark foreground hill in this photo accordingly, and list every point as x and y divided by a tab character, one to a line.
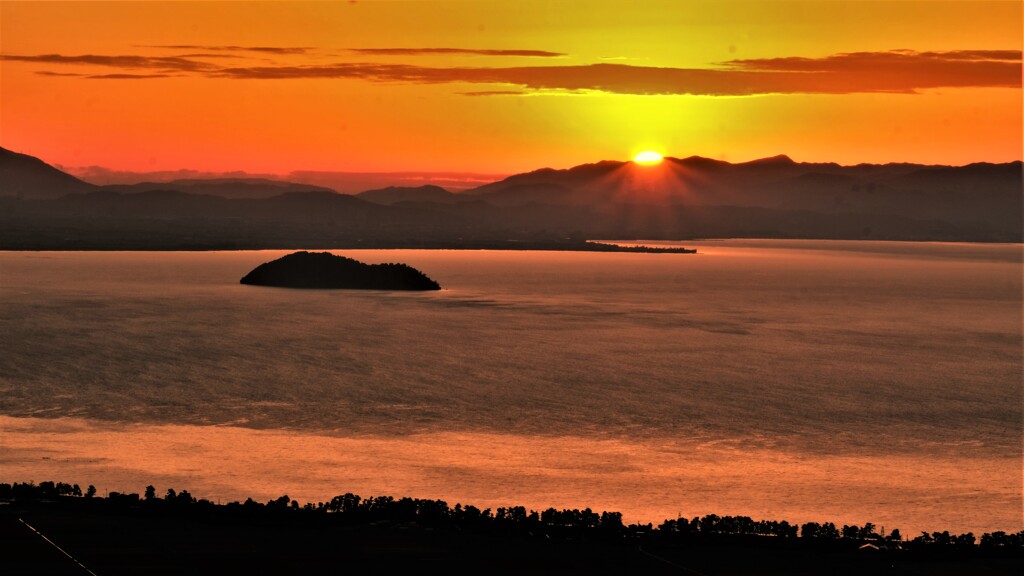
324	270
27	177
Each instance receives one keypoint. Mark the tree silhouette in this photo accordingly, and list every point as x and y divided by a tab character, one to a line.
551	524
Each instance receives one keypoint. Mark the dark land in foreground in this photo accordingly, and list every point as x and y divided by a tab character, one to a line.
43	208
178	534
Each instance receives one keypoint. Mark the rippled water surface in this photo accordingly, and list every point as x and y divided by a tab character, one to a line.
847	381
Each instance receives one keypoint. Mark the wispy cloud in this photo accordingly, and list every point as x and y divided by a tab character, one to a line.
221	55
365	71
127	76
227	48
51	73
457	51
882	61
896	70
494	93
130	62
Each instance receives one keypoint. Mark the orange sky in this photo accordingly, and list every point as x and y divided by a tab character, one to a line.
360	86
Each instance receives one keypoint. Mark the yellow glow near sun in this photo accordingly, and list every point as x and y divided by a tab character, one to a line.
647	157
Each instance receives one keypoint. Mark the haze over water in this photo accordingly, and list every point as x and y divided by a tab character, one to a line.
797	380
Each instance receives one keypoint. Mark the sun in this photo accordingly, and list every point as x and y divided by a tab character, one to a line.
647	157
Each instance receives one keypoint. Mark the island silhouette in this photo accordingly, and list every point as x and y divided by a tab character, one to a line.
323	270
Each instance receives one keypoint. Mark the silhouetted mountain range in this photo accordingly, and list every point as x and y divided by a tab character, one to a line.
41	207
983	194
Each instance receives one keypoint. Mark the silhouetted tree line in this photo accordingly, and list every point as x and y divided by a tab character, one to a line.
551	523
829	531
41	491
714	524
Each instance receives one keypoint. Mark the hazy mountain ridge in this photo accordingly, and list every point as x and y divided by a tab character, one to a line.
678	199
224	187
395	194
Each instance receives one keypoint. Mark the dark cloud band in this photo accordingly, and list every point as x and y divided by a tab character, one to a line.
261	49
896	71
456	51
130	62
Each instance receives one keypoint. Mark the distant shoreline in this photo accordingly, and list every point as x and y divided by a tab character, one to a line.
510	245
645	246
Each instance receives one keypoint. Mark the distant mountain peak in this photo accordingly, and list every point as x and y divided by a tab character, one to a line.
700	161
423	188
396	194
777	160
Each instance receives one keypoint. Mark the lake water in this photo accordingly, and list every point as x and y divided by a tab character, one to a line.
797	380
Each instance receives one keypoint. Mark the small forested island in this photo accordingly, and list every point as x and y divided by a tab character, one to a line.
323	270
50	527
